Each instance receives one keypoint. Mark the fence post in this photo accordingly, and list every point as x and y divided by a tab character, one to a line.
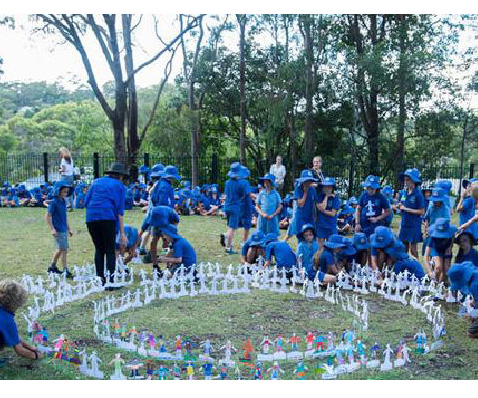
146	163
214	167
472	170
96	165
45	166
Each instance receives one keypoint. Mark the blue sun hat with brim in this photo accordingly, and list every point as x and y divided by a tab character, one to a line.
235	171
246	173
186	184
381	238
397	250
62	184
352	201
205	187
465	183
257	239
438	195
6	184
306	227
349	248
269	177
335	241
445	185
305	175
387	191
460	275
360	241
143	169
442	228
270	237
171	172
413	174
347	210
371	182
157	167
171	230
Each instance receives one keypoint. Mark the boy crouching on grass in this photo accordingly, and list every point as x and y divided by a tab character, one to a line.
12	297
60	229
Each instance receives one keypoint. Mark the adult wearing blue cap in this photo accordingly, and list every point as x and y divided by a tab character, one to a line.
268	206
104	217
373	208
468	206
412	208
235	194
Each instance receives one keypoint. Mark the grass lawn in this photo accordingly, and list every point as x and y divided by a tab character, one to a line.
28	246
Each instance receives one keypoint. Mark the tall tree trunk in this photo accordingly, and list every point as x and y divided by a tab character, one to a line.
242	20
402	113
132	114
194	136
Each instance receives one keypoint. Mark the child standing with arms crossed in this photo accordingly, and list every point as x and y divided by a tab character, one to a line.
328	204
60	229
268	206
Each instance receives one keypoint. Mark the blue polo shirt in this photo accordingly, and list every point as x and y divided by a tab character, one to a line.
308	250
8	329
205	202
326	259
182	248
372	206
467	213
234	193
471	256
284	255
163	194
105	200
305	214
57	209
413	200
325	221
433	213
412	266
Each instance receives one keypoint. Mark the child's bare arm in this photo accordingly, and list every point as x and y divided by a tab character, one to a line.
50	224
24	352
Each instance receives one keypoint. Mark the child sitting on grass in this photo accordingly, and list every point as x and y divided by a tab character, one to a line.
60	229
12	297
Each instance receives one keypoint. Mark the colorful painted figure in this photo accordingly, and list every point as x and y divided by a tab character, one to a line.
309	339
275	371
279	341
176	371
151	340
207	370
265	344
248	348
190	370
374	350
162	371
294	340
319	343
300	370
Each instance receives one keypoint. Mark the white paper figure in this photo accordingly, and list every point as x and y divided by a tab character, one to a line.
387	364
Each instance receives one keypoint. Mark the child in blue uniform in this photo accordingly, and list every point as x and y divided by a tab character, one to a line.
130	248
427	193
235	194
246	204
307	198
380	241
325	260
401	261
268	206
362	247
466	241
345	220
56	220
373	208
442	234
467	207
80	197
306	249
387	191
437	209
412	209
328	205
164	195
253	248
13	296
283	254
346	256
181	250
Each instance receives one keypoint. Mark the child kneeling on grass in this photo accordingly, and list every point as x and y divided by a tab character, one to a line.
442	234
402	262
60	229
12	297
282	252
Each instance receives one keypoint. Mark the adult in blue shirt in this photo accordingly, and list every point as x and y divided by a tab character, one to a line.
104	217
235	195
181	250
307	198
412	209
466	241
372	209
468	207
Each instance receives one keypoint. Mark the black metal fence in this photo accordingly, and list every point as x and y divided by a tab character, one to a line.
34	169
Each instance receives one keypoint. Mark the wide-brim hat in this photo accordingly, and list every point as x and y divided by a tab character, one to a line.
171	172
305	227
157	167
360	241
62	184
235	170
335	241
438	195
442	228
349	248
371	182
306	175
473	240
397	251
381	238
117	168
387	191
143	169
446	185
171	231
156	174
413	174
257	239
352	201
348	210
460	276
269	177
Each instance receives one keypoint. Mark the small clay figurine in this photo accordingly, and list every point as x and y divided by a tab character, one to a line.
207	370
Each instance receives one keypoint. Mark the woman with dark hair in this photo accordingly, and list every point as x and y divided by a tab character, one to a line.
67	173
104	205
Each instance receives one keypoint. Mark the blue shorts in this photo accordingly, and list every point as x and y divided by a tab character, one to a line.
61	241
232	219
324	233
410	235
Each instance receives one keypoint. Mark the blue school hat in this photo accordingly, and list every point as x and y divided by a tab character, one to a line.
445	185
442	228
352	201
381	238
413	174
143	169
426	188
371	182
269	177
387	191
205	187
59	185
171	172
246	173
214	189
257	239
397	250
360	241
186	183
270	237
349	248
235	170
335	241
348	210
460	276
157	167
6	184
305	227
171	230
465	183
438	195
306	175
